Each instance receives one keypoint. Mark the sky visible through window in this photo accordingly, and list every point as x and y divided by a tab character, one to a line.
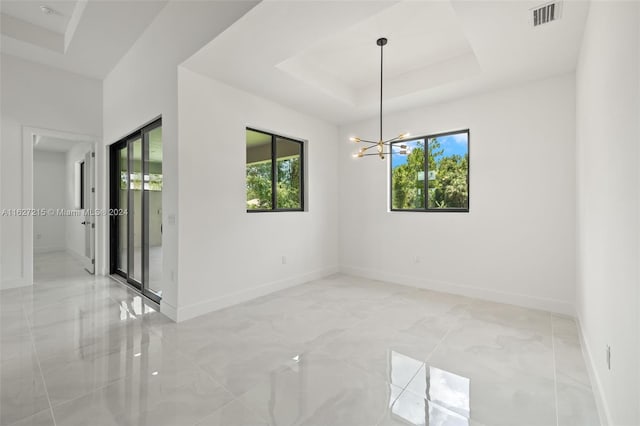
451	145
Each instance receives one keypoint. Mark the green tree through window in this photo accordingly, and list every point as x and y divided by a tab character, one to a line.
439	184
273	188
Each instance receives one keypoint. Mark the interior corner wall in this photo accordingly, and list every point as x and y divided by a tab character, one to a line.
517	243
49	185
144	85
37	96
228	255
608	110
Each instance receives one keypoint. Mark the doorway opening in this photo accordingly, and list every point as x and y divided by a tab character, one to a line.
63	185
136	210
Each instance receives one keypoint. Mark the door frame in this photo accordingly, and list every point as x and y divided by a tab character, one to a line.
29	138
141	133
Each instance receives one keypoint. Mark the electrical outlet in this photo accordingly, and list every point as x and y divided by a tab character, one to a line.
38	236
609	357
416	259
284	260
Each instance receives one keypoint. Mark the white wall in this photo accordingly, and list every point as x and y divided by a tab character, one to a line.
44	97
144	85
49	192
226	254
608	213
75	233
517	243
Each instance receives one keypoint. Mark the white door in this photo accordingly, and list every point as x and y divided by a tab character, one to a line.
89	212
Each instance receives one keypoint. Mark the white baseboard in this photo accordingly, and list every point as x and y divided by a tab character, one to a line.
169	311
211	305
596	384
551	305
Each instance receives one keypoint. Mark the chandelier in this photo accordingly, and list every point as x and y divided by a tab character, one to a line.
380	145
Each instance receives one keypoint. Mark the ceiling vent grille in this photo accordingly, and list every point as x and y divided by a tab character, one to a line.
546	13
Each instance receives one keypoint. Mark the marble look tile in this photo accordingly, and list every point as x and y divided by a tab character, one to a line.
496	351
233	414
411	409
360	300
407	310
22	391
43	418
75	374
511	398
394	356
10	299
336	351
576	404
239	362
311	327
511	316
321	391
568	351
565	328
15	335
167	397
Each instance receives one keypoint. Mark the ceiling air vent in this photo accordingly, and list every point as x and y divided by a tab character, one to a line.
546	13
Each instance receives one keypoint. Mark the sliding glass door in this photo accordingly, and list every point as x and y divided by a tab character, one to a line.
136	201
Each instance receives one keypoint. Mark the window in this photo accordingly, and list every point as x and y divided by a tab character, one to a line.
431	173
274	172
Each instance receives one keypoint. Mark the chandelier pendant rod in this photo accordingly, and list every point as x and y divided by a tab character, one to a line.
381	144
381	42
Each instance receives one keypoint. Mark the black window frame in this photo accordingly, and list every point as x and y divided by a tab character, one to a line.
426	208
274	177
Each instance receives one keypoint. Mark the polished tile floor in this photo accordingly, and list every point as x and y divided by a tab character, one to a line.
341	351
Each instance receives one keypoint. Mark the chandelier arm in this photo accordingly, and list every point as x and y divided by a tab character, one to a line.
366	141
368	147
377	154
397	138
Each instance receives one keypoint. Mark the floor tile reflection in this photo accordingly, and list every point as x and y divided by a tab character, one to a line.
340	351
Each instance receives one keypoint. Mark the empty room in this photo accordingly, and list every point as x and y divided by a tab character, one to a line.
330	213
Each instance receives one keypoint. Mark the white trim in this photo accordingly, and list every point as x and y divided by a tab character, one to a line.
211	305
596	384
169	310
533	302
28	134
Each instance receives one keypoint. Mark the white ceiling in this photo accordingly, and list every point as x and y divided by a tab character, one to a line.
51	144
29	11
322	58
87	37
